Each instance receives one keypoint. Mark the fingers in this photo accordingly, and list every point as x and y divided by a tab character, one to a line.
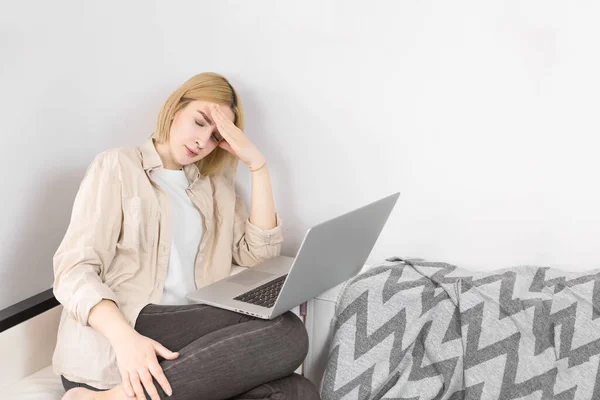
215	111
156	369
158	373
223	123
163	351
127	384
137	386
146	379
216	114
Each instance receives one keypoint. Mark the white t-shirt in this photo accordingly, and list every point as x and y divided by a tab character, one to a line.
186	232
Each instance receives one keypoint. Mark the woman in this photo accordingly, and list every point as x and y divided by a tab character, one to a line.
152	223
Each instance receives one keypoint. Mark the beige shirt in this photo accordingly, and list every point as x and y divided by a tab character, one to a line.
117	247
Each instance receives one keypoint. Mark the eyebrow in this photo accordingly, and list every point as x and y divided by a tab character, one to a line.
206	117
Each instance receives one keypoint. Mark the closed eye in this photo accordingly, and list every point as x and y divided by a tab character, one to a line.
217	138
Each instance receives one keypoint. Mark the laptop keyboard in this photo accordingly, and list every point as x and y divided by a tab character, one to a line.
264	295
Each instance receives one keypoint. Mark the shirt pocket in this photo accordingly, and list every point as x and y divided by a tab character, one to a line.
139	223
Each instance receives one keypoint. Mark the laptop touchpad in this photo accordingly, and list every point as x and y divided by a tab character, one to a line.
249	278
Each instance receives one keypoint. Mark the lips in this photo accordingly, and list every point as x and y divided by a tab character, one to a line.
190	152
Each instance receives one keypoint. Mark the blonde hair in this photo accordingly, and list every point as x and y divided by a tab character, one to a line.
206	86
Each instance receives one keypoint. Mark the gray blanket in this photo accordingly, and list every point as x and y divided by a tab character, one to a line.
411	329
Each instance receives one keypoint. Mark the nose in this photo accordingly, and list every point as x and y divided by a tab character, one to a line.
205	138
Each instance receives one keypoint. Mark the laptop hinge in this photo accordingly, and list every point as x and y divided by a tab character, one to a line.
303	309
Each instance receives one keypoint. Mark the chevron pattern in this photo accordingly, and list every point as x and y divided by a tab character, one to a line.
409	329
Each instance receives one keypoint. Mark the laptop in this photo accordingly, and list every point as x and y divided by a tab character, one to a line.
331	253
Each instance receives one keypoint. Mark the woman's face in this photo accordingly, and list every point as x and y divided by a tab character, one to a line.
194	134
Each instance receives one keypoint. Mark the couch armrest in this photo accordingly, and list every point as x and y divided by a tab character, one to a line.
28	337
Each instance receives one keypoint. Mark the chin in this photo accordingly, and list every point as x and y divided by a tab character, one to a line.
181	160
187	161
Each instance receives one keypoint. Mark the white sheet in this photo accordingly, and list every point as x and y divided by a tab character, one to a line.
42	385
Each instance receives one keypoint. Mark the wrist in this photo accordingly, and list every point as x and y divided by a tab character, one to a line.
257	166
106	318
120	333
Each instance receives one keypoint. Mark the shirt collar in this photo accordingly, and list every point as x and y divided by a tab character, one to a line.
151	159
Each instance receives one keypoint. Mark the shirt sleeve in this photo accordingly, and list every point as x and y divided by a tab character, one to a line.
89	244
251	244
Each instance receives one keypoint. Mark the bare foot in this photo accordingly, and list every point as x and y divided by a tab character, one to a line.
116	393
78	394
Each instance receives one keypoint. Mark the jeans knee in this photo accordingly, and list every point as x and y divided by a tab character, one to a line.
296	334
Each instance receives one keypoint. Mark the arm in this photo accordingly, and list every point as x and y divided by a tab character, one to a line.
106	318
259	237
87	249
262	208
90	240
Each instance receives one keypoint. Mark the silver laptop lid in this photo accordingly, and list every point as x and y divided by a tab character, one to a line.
332	252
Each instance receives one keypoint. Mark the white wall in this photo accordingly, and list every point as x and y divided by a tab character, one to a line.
482	113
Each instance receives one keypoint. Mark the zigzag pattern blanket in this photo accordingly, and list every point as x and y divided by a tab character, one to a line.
415	330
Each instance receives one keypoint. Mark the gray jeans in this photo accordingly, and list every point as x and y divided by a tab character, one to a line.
226	355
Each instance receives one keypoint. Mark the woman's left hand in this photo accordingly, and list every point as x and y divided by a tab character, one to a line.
235	141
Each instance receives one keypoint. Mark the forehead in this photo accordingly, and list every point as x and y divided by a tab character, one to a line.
204	106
